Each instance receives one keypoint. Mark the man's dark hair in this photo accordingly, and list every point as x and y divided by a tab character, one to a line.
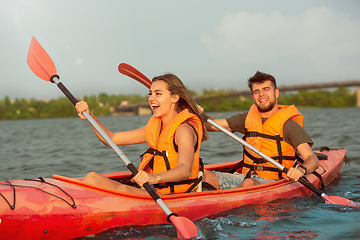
260	77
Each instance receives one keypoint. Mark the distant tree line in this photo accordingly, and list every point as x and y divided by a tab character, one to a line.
101	104
61	107
342	97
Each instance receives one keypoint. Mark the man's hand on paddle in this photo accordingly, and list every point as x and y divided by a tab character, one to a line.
311	163
294	174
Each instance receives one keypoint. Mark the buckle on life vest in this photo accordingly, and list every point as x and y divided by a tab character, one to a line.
259	167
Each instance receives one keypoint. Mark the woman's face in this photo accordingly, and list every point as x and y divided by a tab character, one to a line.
160	100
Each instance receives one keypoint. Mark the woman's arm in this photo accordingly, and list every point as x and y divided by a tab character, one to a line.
119	138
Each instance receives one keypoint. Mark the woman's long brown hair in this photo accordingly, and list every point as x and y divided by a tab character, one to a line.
176	86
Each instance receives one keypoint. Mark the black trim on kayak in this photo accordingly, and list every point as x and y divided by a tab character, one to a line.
320	156
12	207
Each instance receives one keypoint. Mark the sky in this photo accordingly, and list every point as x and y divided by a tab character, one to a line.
208	44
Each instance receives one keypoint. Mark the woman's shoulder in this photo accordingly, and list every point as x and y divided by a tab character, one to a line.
185	126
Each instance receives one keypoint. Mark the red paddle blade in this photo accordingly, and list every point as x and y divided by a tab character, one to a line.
185	228
132	72
340	201
39	61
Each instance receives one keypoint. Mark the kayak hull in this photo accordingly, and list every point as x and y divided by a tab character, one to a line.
44	211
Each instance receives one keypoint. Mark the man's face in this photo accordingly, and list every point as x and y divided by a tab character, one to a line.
264	96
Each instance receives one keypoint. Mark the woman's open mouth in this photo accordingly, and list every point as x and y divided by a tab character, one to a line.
154	107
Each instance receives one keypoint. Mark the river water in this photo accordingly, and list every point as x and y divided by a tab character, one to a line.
42	147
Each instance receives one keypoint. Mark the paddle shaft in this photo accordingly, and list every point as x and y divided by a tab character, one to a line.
149	188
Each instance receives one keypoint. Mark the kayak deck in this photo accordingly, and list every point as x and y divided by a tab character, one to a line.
42	210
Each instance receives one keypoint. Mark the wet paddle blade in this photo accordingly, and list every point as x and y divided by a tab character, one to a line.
185	228
340	201
39	61
132	72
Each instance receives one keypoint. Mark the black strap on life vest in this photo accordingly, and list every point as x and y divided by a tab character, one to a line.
163	154
260	168
262	135
199	179
235	167
262	160
278	139
193	181
278	144
280	157
258	161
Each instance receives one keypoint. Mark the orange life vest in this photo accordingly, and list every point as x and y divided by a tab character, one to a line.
162	153
268	137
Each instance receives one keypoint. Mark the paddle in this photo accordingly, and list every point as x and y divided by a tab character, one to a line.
42	65
135	74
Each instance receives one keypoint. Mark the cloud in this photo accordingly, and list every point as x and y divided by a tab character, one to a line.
318	38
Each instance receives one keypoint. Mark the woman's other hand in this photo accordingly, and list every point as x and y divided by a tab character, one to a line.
142	177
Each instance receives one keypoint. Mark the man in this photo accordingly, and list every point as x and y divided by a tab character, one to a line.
275	130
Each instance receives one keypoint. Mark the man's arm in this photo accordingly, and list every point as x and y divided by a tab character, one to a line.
221	122
235	123
311	163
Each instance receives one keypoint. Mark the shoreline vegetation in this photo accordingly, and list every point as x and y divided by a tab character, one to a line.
103	104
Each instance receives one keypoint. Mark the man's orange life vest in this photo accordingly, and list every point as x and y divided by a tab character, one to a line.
268	137
162	153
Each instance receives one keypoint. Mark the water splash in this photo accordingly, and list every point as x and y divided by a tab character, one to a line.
222	227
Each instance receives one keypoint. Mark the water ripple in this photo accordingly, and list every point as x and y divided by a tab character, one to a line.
33	148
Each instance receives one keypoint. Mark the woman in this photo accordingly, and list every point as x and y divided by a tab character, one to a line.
174	134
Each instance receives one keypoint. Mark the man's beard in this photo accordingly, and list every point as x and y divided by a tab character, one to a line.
267	108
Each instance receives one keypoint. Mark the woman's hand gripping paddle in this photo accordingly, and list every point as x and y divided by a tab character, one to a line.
42	65
135	74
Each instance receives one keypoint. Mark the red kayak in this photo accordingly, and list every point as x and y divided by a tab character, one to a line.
66	208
